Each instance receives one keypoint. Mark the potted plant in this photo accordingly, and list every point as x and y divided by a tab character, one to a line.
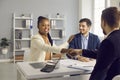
4	45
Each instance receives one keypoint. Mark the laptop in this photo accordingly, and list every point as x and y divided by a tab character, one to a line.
50	67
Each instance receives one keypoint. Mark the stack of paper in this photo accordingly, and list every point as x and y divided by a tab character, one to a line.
78	64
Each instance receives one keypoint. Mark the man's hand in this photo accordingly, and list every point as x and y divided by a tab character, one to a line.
83	59
74	52
64	50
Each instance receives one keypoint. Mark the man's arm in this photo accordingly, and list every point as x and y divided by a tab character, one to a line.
83	52
89	53
105	58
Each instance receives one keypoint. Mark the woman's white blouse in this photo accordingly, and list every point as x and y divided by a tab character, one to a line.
39	48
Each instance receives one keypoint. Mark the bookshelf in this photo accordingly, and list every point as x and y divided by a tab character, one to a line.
57	28
22	32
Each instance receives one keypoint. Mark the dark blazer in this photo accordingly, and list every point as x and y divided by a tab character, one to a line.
107	58
93	42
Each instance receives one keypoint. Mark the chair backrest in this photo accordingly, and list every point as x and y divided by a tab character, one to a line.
26	54
116	77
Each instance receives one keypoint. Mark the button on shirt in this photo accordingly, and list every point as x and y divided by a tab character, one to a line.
84	41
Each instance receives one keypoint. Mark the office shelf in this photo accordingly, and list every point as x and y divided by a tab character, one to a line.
22	32
57	28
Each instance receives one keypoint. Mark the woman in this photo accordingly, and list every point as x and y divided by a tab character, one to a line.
42	44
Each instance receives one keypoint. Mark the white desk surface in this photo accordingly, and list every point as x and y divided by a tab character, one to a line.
31	73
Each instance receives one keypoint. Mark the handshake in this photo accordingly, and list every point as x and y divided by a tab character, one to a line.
72	52
75	54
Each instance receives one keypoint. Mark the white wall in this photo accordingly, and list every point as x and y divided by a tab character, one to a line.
69	8
86	8
115	3
38	7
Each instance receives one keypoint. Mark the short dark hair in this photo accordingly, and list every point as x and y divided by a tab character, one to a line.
88	21
40	19
111	16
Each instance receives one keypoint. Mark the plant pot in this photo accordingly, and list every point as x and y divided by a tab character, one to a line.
4	50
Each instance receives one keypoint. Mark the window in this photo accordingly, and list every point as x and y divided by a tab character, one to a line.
99	5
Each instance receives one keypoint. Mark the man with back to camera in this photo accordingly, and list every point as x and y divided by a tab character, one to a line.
84	39
108	55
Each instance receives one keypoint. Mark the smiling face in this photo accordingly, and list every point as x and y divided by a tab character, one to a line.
44	27
84	28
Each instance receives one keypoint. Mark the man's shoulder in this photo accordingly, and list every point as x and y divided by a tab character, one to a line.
77	35
114	36
93	35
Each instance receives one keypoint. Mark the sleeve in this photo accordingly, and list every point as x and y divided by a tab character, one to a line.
105	58
90	53
37	43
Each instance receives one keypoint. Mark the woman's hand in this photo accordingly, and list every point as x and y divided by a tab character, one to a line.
70	38
74	52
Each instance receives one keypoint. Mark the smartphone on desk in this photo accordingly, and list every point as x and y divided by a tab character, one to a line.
49	67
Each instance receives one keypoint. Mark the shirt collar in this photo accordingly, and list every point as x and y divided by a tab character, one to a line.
85	37
109	33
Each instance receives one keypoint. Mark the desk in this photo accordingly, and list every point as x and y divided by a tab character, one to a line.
26	72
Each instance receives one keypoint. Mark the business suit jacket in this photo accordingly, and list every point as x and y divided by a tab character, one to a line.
93	42
107	57
39	48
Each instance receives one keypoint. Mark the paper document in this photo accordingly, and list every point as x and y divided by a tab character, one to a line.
78	64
